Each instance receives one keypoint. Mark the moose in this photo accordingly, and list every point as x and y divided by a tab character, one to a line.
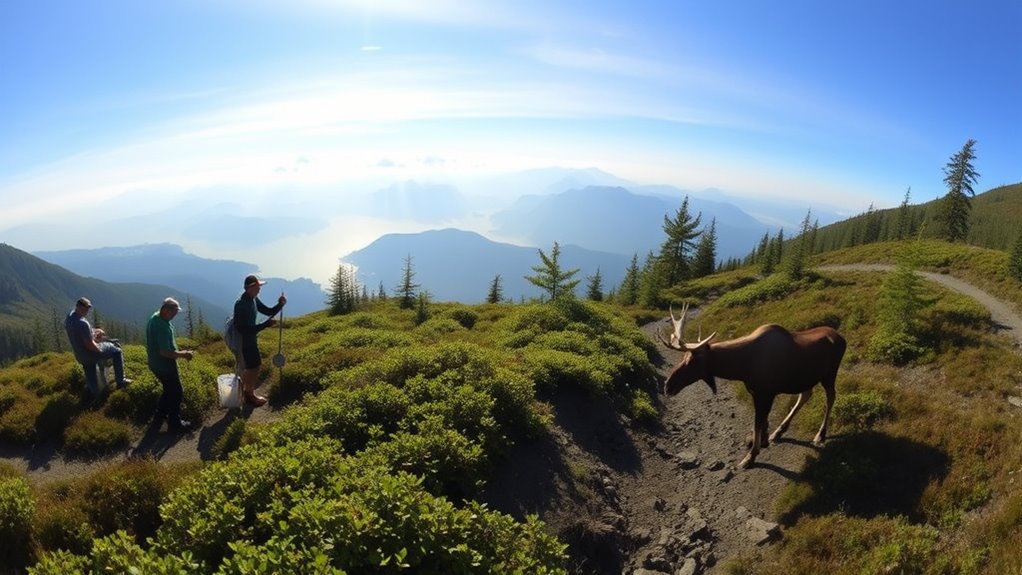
769	361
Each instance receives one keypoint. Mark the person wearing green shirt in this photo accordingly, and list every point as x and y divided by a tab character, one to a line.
161	349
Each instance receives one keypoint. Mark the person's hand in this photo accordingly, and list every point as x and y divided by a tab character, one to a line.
98	334
187	354
282	300
271	322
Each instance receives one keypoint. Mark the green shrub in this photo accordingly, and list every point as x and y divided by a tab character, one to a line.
17	422
116	553
66	527
464	316
135	403
126	497
862	410
94	434
642	410
230	440
449	463
17	511
894	347
57	412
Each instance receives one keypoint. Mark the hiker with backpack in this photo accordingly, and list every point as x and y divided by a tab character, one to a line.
245	323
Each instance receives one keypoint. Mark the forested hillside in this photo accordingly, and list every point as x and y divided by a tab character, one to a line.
993	222
36	295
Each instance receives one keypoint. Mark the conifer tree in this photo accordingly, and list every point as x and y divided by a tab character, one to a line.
381	293
651	282
960	176
629	292
551	278
1015	261
903	221
58	331
594	286
422	308
795	263
674	259
342	296
705	261
496	293
189	320
407	289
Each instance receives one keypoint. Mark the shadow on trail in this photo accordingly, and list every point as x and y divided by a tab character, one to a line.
155	443
869	474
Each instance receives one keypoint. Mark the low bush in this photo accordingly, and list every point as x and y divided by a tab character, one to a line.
862	410
17	511
58	410
95	434
894	347
64	527
464	316
18	419
642	410
230	440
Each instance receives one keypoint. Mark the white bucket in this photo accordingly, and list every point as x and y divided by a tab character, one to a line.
228	386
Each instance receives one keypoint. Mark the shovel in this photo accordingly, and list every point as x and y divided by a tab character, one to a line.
278	360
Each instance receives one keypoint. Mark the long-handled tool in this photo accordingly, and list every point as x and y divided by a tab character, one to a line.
278	360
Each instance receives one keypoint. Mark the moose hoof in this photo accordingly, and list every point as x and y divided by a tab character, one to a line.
818	442
745	463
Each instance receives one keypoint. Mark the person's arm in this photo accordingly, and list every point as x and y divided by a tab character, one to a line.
270	311
86	334
244	320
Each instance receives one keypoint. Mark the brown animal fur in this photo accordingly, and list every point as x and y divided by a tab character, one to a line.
769	361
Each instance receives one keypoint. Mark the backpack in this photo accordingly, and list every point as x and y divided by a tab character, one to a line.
231	336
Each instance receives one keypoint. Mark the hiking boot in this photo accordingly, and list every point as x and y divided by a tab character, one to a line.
179	426
124	383
254	400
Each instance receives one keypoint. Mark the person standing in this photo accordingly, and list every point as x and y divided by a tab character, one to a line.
245	322
90	348
161	349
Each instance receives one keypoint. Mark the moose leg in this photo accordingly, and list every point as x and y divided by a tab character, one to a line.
762	407
802	399
821	436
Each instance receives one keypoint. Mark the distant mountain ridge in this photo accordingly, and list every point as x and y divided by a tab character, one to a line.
168	264
616	220
457	265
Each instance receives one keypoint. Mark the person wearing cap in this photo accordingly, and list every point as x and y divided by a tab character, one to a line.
90	348
245	322
161	349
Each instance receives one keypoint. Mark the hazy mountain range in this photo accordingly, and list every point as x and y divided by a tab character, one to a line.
217	281
468	233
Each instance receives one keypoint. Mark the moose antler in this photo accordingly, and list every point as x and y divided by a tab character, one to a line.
678	325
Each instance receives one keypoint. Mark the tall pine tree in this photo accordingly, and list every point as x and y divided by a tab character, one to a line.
674	263
496	293
594	286
705	261
629	292
407	289
960	176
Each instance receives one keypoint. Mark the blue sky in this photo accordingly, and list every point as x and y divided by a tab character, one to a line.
836	103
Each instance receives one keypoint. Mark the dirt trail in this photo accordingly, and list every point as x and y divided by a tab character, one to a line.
45	463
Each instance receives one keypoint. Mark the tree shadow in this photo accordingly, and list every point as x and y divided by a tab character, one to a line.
869	474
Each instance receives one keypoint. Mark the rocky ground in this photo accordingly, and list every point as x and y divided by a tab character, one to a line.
646	502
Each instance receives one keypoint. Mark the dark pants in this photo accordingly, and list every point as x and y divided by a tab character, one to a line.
169	405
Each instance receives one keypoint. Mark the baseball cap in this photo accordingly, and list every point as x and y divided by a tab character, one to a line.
253	280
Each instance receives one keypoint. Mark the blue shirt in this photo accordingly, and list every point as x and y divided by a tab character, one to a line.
78	332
